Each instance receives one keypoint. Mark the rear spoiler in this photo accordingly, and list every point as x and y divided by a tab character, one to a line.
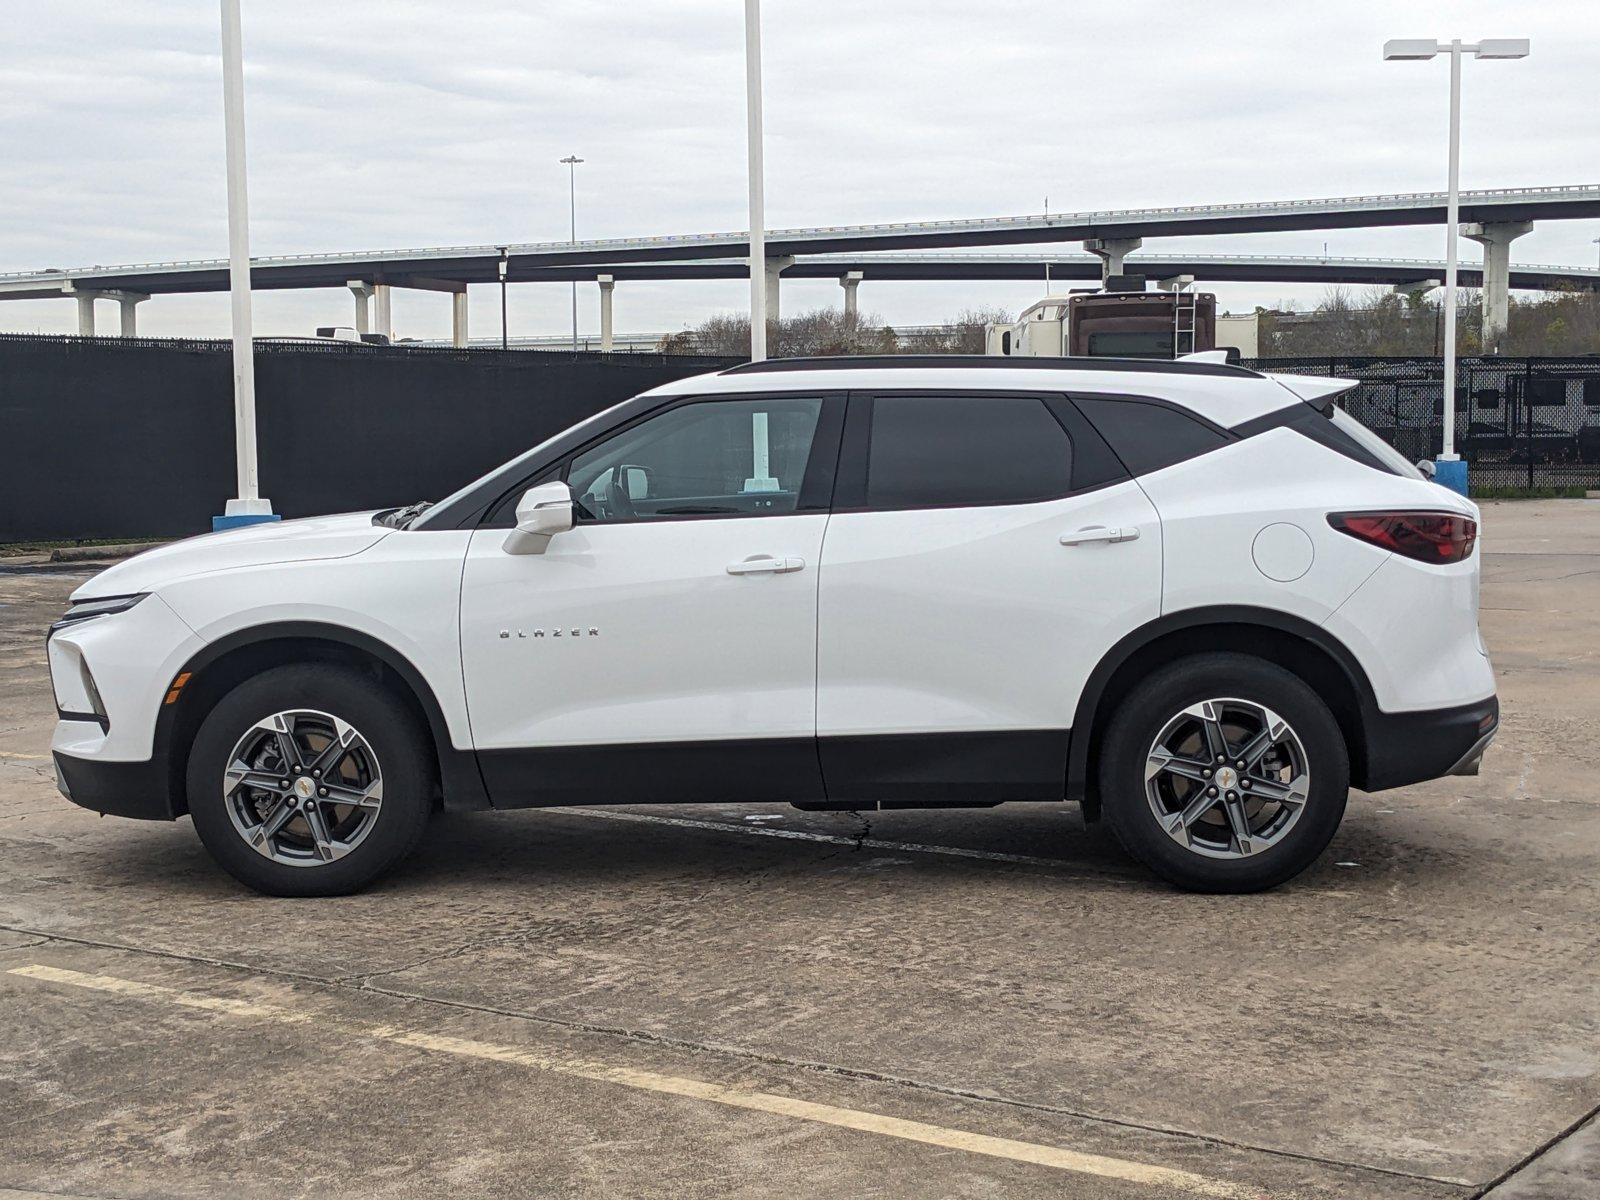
1316	390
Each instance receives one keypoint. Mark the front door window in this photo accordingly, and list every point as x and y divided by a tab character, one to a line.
710	458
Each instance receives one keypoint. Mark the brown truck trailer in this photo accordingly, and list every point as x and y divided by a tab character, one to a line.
1140	324
1122	320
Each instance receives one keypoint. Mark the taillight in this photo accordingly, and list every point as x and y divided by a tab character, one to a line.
1429	537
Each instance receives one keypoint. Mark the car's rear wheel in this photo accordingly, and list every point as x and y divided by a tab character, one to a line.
1224	773
309	780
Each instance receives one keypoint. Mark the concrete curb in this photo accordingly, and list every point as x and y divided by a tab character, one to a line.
68	554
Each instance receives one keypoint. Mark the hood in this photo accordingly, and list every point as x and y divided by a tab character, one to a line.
251	546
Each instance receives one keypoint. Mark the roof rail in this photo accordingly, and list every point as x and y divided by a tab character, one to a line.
847	362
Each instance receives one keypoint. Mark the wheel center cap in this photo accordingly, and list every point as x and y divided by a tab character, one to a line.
305	788
1227	777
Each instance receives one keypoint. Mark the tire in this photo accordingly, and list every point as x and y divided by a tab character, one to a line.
291	841
1158	752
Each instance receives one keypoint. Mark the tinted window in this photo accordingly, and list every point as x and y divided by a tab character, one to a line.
714	458
1392	460
1149	436
948	450
1152	344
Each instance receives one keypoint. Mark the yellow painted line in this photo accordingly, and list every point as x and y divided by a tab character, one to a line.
1056	1157
14	754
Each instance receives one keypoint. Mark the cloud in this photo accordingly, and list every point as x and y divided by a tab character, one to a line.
430	122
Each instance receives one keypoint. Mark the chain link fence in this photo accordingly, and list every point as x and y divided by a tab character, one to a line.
1520	422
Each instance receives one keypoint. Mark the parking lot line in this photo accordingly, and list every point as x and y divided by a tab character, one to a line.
839	839
1054	1157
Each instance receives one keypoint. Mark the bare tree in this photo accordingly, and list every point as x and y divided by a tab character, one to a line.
826	332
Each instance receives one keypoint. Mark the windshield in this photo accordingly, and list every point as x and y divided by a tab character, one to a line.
1374	445
511	471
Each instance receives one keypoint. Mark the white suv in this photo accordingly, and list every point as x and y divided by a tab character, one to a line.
1200	601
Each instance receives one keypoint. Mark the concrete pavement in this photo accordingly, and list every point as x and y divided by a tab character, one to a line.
748	1001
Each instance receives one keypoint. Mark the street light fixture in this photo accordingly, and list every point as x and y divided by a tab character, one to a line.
572	161
1417	49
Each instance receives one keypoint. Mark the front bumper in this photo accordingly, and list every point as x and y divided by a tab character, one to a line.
116	789
1409	747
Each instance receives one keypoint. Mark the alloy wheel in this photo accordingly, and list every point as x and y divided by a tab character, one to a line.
1227	778
303	787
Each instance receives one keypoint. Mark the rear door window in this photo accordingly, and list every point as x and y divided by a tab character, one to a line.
947	451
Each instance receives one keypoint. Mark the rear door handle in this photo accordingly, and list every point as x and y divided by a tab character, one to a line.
1099	533
766	564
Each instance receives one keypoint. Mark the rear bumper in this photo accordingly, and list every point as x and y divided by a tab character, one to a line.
117	789
1409	747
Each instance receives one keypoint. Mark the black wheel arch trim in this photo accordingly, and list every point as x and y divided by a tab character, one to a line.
460	777
1087	714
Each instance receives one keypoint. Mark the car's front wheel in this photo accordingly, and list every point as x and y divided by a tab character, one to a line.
309	780
1224	773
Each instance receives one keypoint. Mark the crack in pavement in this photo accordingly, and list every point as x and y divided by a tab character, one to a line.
1537	1153
748	1054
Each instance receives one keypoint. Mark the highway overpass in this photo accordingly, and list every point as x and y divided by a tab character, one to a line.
1494	217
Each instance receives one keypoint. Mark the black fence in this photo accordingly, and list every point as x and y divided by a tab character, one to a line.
129	437
1520	422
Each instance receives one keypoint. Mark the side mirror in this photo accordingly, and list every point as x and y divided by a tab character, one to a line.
635	481
543	512
1425	465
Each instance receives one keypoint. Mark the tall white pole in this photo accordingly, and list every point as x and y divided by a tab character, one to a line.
249	501
572	161
758	218
1452	220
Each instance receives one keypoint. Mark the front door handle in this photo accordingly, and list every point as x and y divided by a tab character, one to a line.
766	564
1099	533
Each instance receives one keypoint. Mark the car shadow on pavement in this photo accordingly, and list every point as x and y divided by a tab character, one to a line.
513	852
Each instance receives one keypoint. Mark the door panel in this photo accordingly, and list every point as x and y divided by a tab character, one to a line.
638	632
660	649
977	619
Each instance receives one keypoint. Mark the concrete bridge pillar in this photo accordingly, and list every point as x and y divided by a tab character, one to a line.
363	295
608	285
458	317
383	304
86	313
1112	251
850	281
1496	238
776	266
1415	289
128	304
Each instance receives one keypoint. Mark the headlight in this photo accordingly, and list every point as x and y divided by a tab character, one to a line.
102	607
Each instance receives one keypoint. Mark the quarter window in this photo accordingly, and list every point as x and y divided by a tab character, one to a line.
711	458
1147	436
931	451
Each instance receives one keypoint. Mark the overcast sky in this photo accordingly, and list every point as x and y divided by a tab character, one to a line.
377	124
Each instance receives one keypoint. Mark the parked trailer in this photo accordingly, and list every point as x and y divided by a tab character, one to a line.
1124	321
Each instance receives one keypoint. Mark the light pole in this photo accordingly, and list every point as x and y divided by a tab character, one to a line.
505	342
1400	49
758	219
249	506
572	161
